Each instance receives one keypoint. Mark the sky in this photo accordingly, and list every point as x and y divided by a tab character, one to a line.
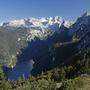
18	9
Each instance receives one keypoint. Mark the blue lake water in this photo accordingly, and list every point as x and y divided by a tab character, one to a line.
21	69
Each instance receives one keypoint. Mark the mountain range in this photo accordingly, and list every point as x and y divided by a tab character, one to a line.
41	43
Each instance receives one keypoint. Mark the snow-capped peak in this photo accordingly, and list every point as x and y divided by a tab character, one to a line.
86	13
37	22
38	27
15	23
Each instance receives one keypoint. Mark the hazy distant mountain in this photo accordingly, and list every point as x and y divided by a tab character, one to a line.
49	23
38	27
